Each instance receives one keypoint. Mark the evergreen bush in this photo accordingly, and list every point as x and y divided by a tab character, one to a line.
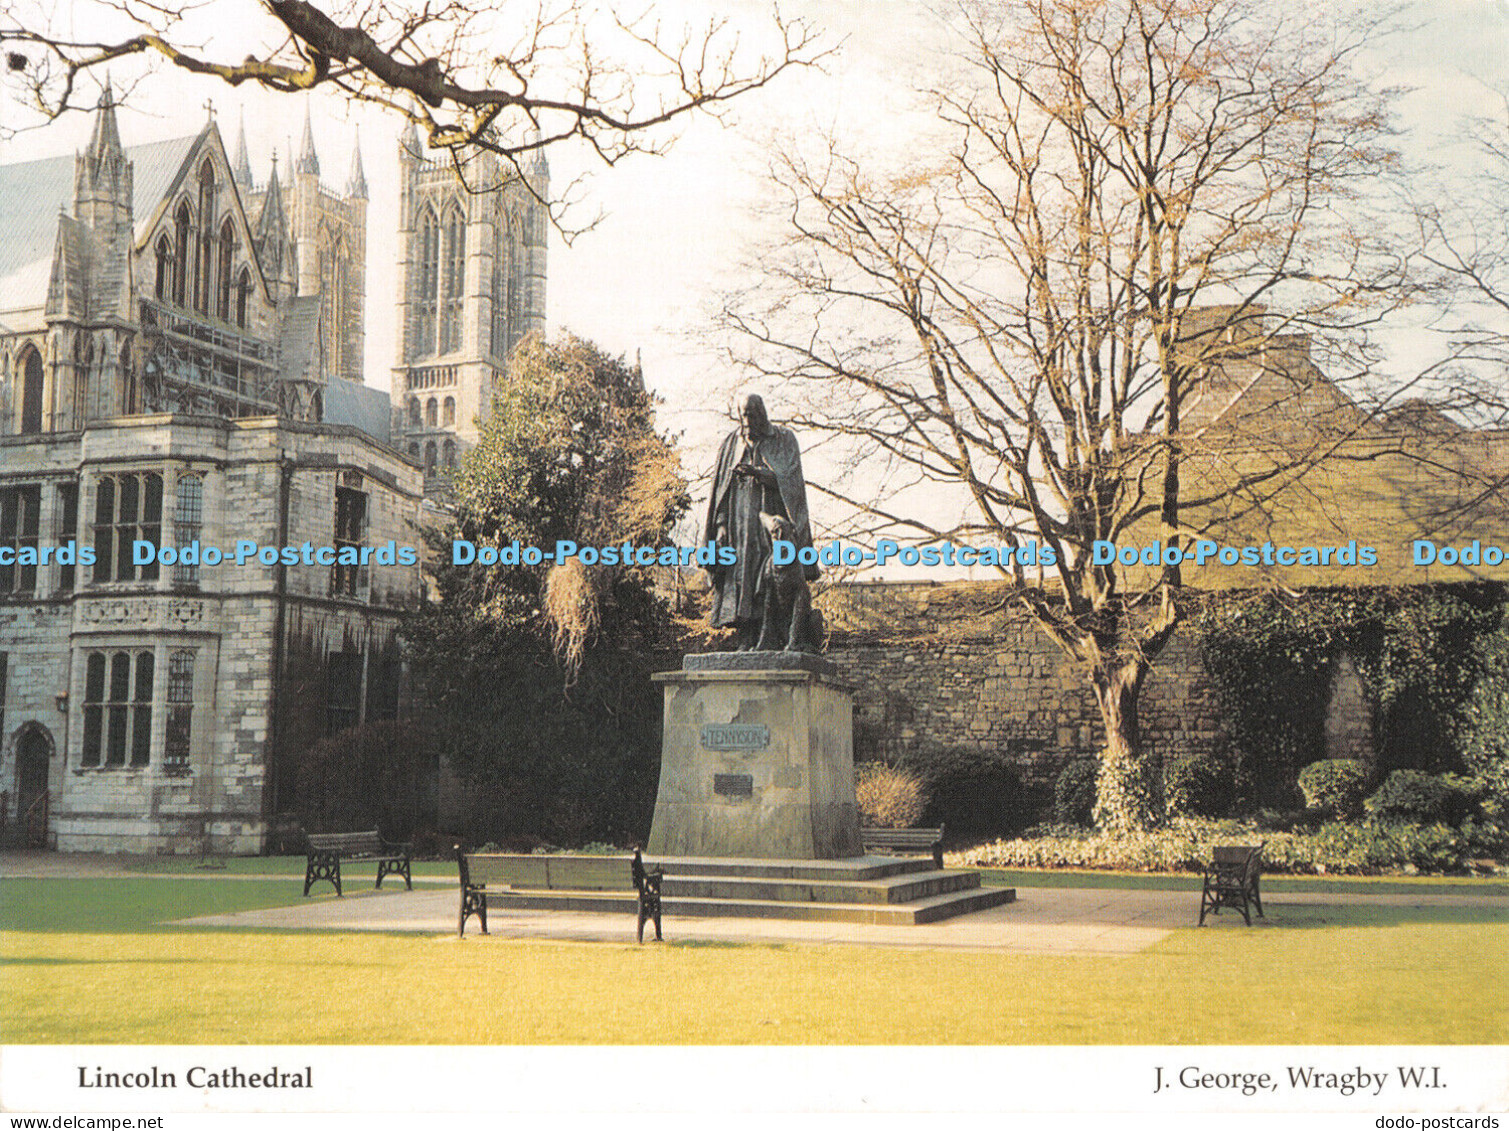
1074	792
1200	785
1411	795
1336	785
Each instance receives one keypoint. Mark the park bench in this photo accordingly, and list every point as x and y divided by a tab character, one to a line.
497	874
327	850
1232	880
918	842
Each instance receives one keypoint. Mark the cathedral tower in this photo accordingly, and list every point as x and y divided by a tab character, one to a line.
471	284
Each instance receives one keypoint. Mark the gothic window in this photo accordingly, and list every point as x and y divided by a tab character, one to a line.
31	392
118	708
429	458
164	268
181	253
455	275
20	521
68	529
243	291
227	255
127	507
430	412
206	238
83	361
175	755
428	279
503	256
450	455
188	517
350	533
448	412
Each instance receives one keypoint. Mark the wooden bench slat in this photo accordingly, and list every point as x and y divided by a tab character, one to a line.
591	873
327	850
917	840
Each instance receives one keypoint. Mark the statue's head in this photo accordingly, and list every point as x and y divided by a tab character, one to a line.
752	419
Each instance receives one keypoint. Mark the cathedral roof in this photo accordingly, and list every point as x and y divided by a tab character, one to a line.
33	193
299	341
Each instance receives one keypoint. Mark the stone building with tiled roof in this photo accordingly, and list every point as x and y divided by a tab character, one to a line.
180	364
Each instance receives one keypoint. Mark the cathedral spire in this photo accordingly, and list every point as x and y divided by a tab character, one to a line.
102	176
105	144
241	167
408	142
356	180
309	161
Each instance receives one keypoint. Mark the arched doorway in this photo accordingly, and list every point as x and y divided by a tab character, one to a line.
33	760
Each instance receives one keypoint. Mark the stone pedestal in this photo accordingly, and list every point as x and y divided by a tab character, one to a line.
757	760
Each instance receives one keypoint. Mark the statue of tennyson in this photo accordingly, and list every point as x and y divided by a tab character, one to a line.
759	471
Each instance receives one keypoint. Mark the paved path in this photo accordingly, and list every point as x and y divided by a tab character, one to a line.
1067	921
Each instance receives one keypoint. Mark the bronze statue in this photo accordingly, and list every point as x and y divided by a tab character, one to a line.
759	471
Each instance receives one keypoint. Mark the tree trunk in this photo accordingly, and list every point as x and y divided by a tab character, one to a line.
1129	794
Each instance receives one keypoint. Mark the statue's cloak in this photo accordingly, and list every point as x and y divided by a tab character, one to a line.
737	501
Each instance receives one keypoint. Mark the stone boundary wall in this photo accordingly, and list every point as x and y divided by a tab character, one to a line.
948	665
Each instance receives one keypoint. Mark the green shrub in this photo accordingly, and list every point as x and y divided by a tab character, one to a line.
1366	847
377	775
1334	784
973	791
1074	792
1199	786
889	797
1411	795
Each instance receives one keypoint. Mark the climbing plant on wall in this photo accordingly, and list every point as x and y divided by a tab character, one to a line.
1271	657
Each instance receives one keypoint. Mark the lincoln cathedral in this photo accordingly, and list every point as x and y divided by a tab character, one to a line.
181	364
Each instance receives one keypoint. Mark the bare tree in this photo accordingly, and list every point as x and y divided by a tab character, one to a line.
1121	197
1467	239
512	79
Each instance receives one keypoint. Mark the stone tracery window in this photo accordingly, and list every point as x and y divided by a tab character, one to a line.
118	708
227	257
455	276
427	279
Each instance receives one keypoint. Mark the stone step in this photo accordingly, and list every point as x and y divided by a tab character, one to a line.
889	889
928	910
855	869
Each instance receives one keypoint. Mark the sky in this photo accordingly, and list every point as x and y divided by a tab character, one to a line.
677	231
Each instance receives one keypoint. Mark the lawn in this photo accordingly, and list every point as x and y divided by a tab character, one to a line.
95	961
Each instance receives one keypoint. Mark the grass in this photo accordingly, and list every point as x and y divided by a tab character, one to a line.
95	961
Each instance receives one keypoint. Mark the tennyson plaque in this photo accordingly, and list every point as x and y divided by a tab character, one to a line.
735	736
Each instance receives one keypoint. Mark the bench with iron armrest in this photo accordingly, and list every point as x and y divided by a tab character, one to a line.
484	874
327	850
918	842
1232	879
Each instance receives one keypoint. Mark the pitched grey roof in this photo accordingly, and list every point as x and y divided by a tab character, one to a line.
33	193
347	402
299	340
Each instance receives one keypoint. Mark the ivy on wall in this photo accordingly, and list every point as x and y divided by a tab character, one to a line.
1271	657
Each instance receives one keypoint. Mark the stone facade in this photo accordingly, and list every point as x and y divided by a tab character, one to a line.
471	283
164	371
